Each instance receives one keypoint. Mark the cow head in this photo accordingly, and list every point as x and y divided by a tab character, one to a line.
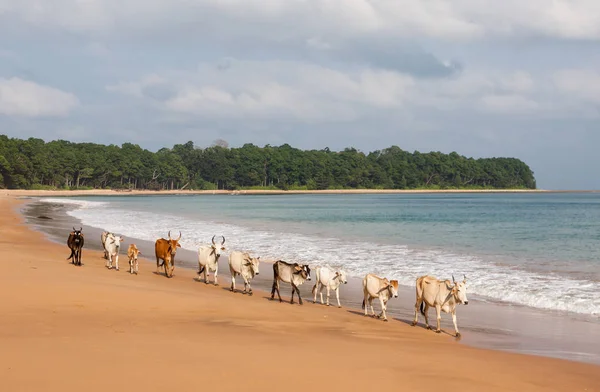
460	290
217	249
393	287
302	270
174	244
113	239
341	275
134	252
77	235
252	263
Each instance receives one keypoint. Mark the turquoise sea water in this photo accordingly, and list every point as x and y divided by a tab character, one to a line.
540	250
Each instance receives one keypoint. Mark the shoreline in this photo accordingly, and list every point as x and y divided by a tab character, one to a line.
89	328
110	192
489	324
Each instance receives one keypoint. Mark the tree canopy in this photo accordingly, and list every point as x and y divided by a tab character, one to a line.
35	164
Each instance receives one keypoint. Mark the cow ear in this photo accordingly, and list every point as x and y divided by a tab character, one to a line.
258	258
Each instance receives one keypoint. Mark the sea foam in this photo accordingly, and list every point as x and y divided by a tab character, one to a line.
485	278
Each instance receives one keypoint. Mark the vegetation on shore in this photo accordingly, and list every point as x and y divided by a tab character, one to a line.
35	164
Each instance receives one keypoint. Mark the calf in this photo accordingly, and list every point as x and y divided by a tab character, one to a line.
245	266
295	274
442	295
382	288
112	246
75	243
132	254
330	279
208	259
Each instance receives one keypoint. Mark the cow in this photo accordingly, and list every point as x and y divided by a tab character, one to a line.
132	254
330	279
112	246
208	259
294	274
103	240
160	250
75	243
376	287
240	263
441	294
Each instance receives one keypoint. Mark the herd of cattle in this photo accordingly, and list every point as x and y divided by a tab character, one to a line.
443	295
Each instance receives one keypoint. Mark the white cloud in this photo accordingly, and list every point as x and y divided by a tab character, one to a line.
24	98
509	104
279	19
583	84
279	89
136	88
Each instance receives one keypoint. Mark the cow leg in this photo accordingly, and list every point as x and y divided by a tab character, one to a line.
454	321
382	314
293	291
371	305
247	286
426	315
216	272
117	262
337	296
233	281
417	306
276	289
328	289
315	290
299	297
438	313
157	265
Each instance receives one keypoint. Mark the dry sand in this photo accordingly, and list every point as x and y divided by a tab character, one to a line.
86	328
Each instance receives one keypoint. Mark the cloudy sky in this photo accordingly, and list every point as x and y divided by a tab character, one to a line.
480	77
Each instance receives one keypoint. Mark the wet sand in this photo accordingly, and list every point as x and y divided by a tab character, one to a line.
71	328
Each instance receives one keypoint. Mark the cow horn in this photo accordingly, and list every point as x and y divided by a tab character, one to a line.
213	239
453	280
465	278
178	238
81	229
74	228
169	234
223	243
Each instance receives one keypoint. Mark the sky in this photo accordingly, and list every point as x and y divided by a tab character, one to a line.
482	78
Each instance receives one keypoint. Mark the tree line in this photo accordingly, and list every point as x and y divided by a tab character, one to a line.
60	164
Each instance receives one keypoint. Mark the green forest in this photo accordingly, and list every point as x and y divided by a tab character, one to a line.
59	164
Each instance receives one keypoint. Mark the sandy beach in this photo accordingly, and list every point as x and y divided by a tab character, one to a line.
70	328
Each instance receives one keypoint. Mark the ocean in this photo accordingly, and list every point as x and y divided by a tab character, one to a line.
533	249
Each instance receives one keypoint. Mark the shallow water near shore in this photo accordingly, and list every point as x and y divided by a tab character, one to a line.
484	322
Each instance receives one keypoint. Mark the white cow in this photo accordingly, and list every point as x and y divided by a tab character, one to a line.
112	245
330	279
208	259
382	288
441	294
240	263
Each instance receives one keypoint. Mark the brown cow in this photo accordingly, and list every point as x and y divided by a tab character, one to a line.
133	253
162	247
75	243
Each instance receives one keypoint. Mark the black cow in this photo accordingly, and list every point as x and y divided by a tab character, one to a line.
75	243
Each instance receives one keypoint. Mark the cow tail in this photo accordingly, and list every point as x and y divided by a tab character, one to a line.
423	307
314	288
275	271
201	269
363	304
